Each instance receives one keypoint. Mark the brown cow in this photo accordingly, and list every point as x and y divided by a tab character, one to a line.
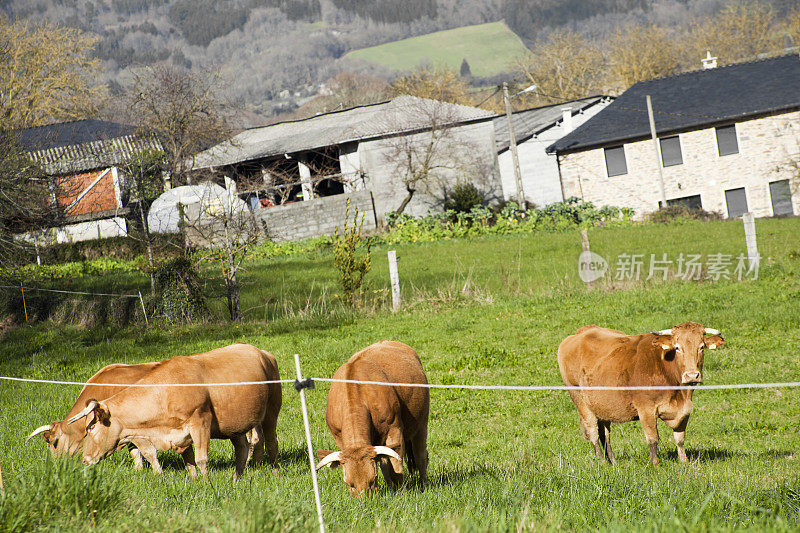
64	438
174	418
596	356
373	423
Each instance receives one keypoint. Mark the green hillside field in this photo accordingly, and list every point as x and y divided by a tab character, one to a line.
488	48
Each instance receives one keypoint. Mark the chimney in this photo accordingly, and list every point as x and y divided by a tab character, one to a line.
566	119
708	61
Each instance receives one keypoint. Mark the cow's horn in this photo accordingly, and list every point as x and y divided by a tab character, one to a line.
711	331
330	458
88	409
664	332
41	429
385	450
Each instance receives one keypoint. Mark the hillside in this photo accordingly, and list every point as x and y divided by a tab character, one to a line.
488	48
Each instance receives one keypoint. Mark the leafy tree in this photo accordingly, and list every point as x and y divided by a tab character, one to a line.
637	53
739	32
351	255
47	73
435	83
563	67
466	71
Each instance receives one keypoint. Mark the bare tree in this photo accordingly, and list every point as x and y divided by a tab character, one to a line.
435	83
433	154
739	32
637	53
183	109
223	224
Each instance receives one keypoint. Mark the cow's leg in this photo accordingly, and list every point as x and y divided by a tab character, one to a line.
149	452
188	458
136	455
648	421
200	432
589	425
255	448
240	449
269	427
419	445
605	438
678	434
392	468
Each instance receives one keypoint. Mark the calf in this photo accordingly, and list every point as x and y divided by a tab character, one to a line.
596	356
174	418
378	423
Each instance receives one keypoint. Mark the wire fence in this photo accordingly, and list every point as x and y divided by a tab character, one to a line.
301	384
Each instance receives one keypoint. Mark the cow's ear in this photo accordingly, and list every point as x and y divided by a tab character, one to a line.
100	414
663	342
714	341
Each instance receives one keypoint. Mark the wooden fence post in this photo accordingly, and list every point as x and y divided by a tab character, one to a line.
753	259
395	279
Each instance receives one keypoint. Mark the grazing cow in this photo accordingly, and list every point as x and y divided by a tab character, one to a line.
174	418
596	356
64	438
378	423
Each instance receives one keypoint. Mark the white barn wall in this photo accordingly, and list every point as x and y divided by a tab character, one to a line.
541	182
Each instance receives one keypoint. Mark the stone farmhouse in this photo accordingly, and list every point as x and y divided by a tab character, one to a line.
82	160
727	140
305	170
535	129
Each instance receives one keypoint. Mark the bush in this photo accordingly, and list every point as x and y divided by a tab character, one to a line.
351	264
179	296
463	198
678	213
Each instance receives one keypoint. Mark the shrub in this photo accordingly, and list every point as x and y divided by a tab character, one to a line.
677	213
179	296
351	264
463	198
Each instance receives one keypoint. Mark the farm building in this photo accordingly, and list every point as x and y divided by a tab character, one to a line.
727	137
304	170
535	129
82	160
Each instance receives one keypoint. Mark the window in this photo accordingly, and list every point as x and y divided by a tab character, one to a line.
781	196
691	202
726	140
736	200
615	161
671	151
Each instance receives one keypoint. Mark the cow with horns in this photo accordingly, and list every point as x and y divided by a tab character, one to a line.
65	438
597	357
378	423
156	418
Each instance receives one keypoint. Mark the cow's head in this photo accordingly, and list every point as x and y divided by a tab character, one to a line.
684	345
359	466
102	433
62	438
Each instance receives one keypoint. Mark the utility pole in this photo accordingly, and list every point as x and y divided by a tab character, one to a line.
663	202
513	145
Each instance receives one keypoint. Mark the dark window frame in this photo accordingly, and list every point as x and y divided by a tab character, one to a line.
728	146
788	199
688	201
673	161
623	169
728	205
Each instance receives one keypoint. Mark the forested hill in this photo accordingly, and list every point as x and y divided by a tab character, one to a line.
267	47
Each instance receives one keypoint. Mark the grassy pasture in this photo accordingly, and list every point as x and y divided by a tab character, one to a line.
488	48
489	311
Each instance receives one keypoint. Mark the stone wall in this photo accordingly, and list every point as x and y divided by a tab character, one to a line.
316	217
765	146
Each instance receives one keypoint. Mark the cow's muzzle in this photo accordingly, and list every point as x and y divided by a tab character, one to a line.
691	377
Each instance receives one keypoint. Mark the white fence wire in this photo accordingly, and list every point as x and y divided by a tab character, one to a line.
301	384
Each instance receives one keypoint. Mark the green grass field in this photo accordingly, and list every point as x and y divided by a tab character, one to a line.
488	48
483	311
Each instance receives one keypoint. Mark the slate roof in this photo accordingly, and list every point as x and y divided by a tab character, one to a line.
401	114
692	100
530	122
81	145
